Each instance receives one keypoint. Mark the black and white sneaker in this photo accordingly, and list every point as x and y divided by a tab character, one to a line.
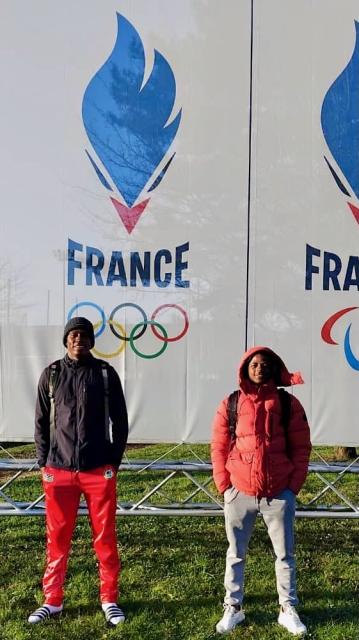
113	614
43	613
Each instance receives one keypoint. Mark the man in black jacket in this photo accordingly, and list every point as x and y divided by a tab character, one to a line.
81	432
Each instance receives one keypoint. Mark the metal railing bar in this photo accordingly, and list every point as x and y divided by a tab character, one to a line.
197	490
196	455
202	488
35	502
320	457
326	489
8	500
151	463
186	469
10	480
150	493
142	465
338	493
156	511
7	452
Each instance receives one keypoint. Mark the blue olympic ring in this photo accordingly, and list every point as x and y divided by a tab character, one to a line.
89	304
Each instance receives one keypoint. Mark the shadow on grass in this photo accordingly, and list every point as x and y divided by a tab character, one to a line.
313	616
132	606
343	613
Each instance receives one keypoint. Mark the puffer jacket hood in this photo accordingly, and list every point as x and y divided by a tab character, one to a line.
283	377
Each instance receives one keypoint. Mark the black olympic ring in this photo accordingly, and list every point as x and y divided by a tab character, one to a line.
112	325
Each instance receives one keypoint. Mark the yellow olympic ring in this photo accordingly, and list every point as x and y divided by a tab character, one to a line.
113	354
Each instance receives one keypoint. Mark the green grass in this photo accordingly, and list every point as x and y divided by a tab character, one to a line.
171	584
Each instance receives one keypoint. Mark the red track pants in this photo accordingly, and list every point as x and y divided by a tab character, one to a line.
62	491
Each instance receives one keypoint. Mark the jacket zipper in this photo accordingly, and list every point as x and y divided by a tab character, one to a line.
77	441
267	440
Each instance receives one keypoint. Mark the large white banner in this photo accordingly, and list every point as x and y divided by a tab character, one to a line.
186	175
124	173
304	261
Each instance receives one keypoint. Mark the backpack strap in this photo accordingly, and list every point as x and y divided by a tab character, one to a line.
104	369
53	380
285	400
232	412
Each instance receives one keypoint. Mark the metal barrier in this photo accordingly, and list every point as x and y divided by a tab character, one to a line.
13	469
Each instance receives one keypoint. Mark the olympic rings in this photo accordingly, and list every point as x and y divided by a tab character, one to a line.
118	330
153	355
100	354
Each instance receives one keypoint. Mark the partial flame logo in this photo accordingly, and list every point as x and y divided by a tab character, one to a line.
340	124
127	122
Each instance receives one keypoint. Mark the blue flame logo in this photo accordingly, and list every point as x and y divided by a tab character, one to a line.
340	124
127	121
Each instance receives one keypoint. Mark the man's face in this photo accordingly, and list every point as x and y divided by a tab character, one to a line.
78	344
260	369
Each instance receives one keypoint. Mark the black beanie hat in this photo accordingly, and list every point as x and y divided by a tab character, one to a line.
79	323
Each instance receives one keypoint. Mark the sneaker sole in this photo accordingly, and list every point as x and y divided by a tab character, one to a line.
225	631
53	616
294	633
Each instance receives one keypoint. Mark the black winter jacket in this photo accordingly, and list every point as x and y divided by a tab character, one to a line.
79	440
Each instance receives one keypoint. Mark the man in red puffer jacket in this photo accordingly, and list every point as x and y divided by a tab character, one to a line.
261	471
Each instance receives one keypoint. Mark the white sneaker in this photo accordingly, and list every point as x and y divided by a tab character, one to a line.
289	619
233	615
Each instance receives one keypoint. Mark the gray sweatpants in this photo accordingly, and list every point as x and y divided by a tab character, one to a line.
278	513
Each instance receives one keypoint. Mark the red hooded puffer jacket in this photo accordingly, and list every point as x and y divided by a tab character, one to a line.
264	459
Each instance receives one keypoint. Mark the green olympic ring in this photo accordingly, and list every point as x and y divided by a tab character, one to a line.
132	338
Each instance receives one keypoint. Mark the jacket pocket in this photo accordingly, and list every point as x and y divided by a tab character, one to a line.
247	457
230	494
241	467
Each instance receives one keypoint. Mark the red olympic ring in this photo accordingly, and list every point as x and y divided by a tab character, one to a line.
184	330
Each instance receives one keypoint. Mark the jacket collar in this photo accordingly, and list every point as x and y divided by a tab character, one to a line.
75	364
258	391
